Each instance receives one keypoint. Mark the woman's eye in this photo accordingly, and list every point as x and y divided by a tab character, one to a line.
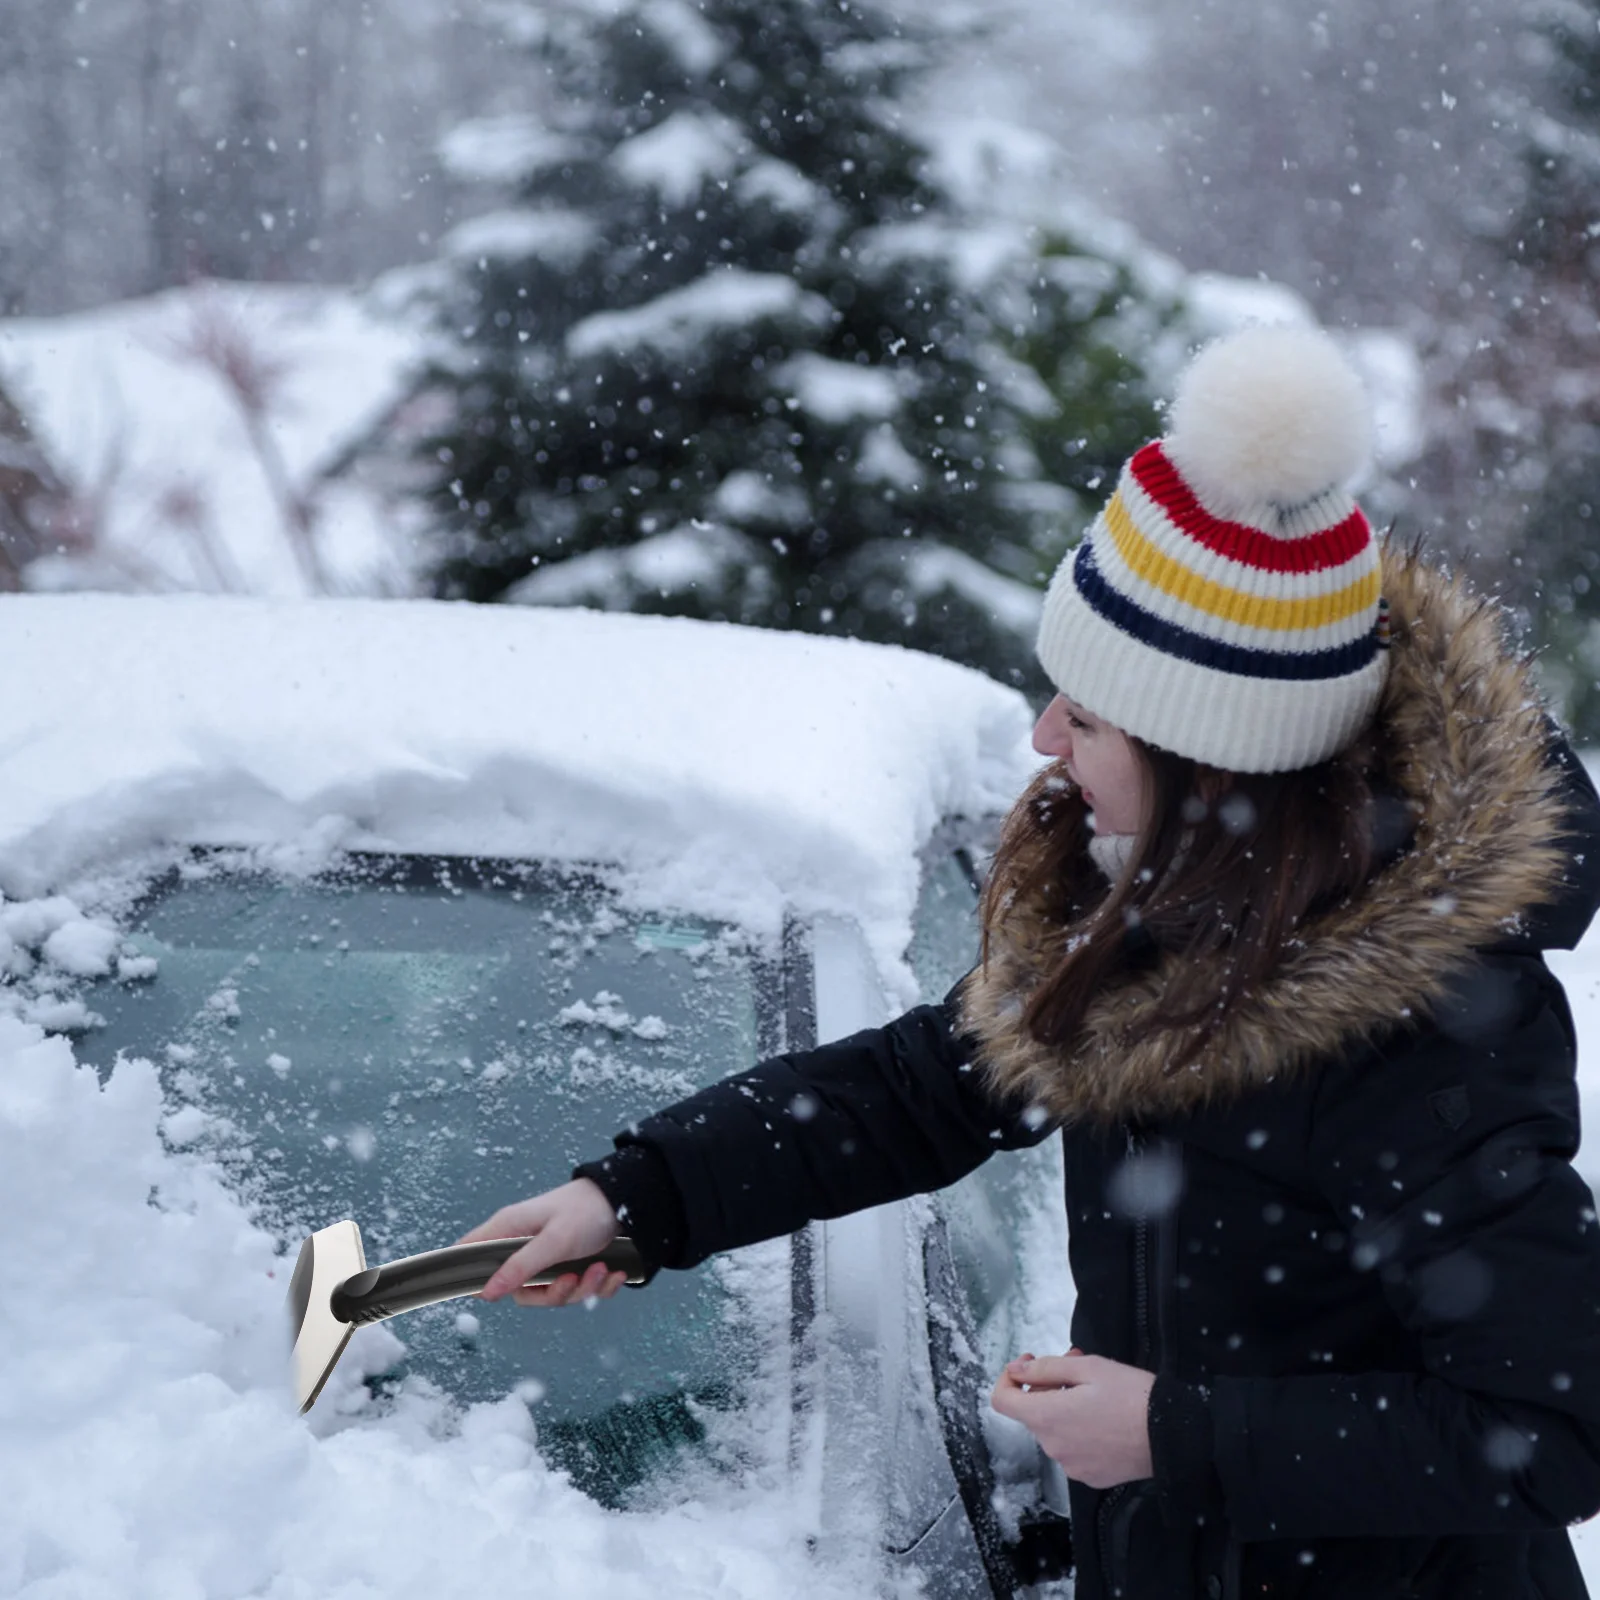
1077	723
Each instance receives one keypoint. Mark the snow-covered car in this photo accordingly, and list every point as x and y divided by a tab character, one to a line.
393	910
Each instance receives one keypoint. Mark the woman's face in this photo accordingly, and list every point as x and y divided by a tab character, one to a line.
1100	759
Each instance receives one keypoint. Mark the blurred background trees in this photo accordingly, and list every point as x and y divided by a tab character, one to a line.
737	351
1432	170
151	142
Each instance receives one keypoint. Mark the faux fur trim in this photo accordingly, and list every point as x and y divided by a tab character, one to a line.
1470	745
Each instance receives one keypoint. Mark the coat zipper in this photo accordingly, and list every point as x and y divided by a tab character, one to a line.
1147	1344
1144	1339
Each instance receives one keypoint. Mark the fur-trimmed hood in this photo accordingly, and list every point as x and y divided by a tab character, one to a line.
1469	751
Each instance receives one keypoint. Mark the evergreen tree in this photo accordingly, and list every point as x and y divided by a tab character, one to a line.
1549	357
1108	331
734	352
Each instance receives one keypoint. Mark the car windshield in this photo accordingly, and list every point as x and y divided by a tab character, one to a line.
414	1044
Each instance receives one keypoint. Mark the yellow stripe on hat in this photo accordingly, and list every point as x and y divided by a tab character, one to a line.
1233	606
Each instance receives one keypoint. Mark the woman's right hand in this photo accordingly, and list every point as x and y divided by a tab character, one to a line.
567	1223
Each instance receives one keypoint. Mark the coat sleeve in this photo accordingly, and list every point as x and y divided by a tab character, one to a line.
886	1113
1449	1161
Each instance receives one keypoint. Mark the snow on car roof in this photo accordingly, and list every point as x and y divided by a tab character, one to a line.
728	770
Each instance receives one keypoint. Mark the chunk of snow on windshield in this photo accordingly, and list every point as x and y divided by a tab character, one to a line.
679	155
838	391
608	1011
33	921
503	149
82	947
555	234
186	1125
676	323
223	1003
59	1016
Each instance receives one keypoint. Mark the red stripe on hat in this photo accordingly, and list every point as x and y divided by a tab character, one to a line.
1316	552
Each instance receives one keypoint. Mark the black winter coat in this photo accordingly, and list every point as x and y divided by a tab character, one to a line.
1348	1239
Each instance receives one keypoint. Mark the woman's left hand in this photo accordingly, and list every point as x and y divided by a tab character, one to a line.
1088	1414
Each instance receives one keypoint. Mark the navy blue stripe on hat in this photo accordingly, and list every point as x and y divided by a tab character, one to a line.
1184	644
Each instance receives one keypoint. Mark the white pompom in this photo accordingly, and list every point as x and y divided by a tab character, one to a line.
1269	416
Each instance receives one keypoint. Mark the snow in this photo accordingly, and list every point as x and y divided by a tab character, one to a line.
503	149
974	254
727	770
680	155
1392	373
784	186
933	567
677	323
150	1445
556	235
884	459
151	1448
82	947
693	40
748	496
158	451
1227	303
982	160
662	564
838	391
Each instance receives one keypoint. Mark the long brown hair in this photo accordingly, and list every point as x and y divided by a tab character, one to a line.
1227	862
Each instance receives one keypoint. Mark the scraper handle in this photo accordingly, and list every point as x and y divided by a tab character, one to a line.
457	1270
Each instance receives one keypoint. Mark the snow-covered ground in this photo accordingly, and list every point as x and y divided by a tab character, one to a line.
139	406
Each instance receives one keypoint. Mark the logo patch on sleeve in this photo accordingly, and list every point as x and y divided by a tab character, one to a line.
1451	1106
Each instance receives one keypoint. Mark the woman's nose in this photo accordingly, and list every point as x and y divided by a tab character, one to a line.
1051	734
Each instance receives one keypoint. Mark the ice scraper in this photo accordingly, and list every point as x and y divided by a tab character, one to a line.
334	1291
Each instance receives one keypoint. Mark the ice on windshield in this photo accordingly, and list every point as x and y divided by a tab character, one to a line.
413	1045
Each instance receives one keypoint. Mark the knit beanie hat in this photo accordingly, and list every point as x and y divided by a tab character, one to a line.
1225	603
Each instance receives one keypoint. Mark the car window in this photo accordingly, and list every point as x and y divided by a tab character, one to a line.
415	1044
944	931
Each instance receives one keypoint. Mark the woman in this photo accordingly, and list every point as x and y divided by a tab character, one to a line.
1264	943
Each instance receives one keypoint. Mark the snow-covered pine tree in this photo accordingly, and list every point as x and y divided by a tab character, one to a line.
1110	329
733	352
1547	357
